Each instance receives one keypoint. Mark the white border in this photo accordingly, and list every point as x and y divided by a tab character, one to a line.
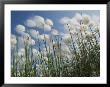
56	80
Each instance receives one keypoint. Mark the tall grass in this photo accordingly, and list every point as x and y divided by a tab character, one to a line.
80	57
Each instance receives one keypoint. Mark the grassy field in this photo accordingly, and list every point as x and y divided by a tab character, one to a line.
75	53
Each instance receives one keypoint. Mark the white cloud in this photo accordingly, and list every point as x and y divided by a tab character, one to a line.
61	33
80	22
20	28
35	22
49	22
74	21
39	21
68	26
69	23
30	23
67	20
78	17
64	20
47	27
96	19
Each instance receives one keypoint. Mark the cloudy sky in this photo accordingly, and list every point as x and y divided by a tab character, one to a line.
26	21
20	17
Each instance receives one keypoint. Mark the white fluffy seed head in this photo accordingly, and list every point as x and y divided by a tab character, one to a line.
78	17
47	27
13	40
83	27
32	42
44	37
35	52
67	26
27	39
20	29
21	52
47	36
39	21
86	19
49	22
97	28
88	33
30	23
45	58
34	33
66	36
41	37
74	22
91	23
64	20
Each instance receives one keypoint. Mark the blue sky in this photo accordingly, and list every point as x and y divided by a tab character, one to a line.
19	17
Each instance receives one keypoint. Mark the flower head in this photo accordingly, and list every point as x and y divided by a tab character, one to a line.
49	22
45	58
20	29
30	23
21	52
86	19
13	41
66	36
32	42
47	27
34	33
35	52
39	21
78	17
27	39
83	27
